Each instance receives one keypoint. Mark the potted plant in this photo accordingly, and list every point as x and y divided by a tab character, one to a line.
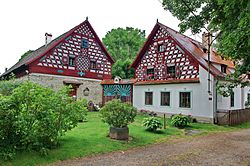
118	115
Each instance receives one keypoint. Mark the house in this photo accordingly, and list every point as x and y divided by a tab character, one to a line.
172	72
77	57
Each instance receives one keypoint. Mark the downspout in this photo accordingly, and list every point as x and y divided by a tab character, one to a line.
215	102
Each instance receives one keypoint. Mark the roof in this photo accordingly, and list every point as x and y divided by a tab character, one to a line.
44	49
173	81
124	81
190	46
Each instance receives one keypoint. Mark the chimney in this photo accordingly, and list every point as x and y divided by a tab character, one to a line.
48	38
206	39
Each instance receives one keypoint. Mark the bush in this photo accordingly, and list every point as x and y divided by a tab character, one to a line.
7	87
118	114
180	120
152	123
34	117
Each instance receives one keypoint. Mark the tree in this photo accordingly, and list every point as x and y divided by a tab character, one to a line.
26	53
124	45
121	68
228	19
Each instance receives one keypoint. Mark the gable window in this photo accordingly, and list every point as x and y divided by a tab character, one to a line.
232	100
148	98
161	48
92	64
171	71
224	68
71	61
85	43
185	99
165	98
150	73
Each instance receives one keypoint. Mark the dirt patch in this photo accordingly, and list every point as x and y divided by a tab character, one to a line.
226	148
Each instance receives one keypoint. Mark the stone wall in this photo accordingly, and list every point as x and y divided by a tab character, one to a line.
56	82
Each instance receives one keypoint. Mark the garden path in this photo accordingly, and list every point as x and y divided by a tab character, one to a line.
223	148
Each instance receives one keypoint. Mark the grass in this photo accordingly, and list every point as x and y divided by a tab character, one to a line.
90	138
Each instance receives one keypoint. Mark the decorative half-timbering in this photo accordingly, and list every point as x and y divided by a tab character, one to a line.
79	53
77	58
164	59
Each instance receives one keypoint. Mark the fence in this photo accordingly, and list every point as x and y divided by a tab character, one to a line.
233	117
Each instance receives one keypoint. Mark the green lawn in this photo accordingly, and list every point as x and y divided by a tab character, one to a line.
91	138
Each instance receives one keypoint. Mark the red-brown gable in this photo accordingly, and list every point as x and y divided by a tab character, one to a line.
182	47
54	58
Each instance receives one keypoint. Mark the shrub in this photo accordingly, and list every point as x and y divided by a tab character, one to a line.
152	123
7	87
34	117
180	120
118	114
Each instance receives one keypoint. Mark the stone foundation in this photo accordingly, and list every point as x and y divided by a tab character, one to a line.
56	82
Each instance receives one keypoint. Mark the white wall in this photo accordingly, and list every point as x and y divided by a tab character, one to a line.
240	97
200	105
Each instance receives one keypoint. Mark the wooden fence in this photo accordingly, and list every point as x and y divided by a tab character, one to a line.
233	117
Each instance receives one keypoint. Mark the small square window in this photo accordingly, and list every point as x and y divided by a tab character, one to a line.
150	73
71	61
185	99
171	71
165	98
92	64
148	98
161	48
85	43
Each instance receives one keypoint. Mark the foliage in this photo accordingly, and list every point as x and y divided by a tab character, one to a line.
34	117
118	114
26	53
90	138
229	19
152	123
121	68
180	120
123	45
7	87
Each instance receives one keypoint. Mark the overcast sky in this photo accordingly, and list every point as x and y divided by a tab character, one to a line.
24	22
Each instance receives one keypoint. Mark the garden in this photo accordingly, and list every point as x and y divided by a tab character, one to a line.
40	126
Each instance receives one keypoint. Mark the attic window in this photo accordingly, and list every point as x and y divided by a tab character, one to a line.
171	71
85	43
223	68
71	61
161	48
93	65
150	73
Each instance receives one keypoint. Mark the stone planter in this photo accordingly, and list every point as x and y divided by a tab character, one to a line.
119	133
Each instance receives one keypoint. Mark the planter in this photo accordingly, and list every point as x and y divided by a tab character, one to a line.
119	133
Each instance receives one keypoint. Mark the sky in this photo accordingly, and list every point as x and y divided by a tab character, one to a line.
24	23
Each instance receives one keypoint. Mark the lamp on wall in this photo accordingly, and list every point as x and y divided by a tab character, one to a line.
86	92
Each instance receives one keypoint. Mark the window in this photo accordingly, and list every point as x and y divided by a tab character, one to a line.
232	100
185	99
71	61
148	98
224	68
150	73
92	64
161	48
165	98
85	43
171	71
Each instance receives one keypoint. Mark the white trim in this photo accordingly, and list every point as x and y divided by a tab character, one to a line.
66	77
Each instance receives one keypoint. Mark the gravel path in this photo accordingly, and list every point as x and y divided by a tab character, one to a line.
227	148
